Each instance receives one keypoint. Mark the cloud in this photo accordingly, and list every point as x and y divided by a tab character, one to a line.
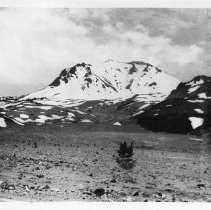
132	45
35	44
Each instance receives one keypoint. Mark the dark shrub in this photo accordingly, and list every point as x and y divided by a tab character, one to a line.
125	150
125	154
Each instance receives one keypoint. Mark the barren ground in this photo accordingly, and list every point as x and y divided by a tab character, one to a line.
78	163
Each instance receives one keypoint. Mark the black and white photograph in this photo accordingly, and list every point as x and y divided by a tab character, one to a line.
105	104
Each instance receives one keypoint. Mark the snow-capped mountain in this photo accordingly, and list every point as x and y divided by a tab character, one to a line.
186	109
108	93
110	80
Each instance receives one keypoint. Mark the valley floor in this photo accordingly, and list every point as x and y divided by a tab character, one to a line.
69	163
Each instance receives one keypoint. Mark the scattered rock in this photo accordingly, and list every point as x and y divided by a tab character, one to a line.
20	176
159	194
45	187
55	189
113	180
136	193
145	194
56	164
169	190
40	176
31	187
47	166
200	185
173	198
87	193
11	187
26	187
99	192
6	186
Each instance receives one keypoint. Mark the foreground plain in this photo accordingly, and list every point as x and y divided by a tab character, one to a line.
78	163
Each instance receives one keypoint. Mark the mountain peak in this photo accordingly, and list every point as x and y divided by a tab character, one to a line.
202	78
140	63
109	60
80	69
109	80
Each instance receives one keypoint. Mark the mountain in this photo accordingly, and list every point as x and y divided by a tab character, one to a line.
108	81
110	93
186	109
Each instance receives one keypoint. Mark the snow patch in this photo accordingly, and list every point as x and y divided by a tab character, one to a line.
42	119
117	123
80	112
196	101
19	120
196	122
138	113
24	116
195	139
199	82
56	117
70	116
86	121
2	122
40	107
144	106
199	111
204	96
192	89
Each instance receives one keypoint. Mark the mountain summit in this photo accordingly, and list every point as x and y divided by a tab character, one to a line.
110	80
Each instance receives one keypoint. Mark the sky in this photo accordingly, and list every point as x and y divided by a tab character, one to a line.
37	43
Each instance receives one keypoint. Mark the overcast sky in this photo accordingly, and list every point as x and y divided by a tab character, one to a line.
37	43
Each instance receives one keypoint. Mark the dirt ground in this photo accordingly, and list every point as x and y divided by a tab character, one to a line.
78	163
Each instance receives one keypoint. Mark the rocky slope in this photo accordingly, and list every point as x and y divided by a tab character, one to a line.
186	109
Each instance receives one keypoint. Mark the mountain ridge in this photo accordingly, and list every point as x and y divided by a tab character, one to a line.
186	109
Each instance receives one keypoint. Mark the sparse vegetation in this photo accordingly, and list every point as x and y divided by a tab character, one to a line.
125	150
125	154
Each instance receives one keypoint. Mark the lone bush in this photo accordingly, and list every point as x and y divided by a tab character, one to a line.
125	150
125	153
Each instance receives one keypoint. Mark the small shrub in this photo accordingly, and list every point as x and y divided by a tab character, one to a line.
125	150
125	154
